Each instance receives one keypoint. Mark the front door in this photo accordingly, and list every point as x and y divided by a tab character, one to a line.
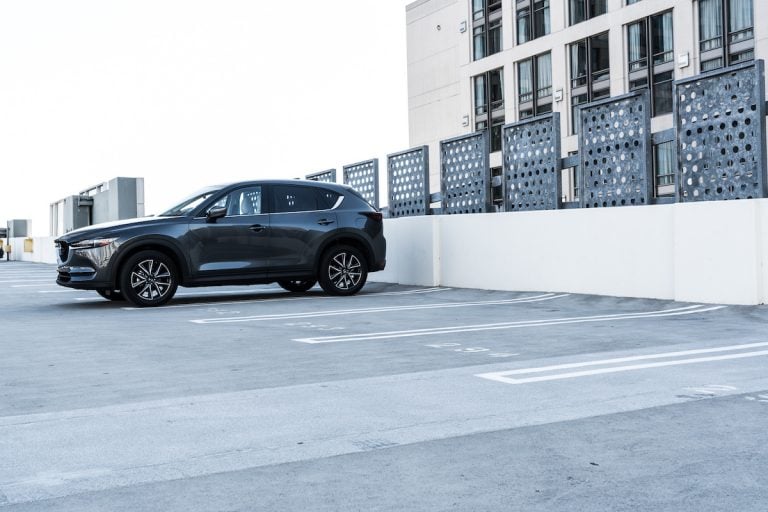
236	244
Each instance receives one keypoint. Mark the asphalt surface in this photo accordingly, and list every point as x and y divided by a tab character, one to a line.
400	398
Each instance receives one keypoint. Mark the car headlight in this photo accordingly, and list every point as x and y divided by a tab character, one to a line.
92	244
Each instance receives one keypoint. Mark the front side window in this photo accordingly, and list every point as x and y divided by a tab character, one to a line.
650	56
489	105
590	73
535	86
726	32
244	201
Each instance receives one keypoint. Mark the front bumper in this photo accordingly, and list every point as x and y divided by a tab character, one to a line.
86	269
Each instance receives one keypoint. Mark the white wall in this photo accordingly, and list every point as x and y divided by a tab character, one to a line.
714	252
44	250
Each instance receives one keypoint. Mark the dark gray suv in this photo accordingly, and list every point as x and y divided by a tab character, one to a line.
295	233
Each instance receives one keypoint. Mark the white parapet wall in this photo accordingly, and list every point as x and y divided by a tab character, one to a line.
714	252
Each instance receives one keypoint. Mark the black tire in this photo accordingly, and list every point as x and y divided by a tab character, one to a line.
111	294
343	270
148	279
297	285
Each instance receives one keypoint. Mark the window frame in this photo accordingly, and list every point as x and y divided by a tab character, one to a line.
487	25
653	73
585	84
724	49
490	116
537	104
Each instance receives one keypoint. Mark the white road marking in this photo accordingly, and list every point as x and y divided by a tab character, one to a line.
386	309
505	375
255	301
435	331
68	290
40	285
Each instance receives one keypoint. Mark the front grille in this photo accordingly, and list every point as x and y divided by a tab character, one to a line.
63	250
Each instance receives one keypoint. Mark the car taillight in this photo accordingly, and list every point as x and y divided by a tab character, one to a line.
377	216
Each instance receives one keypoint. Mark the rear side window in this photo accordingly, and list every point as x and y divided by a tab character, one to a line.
287	198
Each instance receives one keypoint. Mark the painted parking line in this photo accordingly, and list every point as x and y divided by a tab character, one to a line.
281	292
510	377
385	309
438	331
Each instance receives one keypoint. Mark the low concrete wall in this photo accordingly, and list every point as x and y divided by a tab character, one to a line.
714	252
43	250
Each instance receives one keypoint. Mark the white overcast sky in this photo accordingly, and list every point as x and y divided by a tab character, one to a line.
186	93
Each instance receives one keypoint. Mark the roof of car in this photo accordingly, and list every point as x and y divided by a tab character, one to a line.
324	184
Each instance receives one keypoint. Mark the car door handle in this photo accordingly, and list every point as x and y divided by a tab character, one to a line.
325	222
257	228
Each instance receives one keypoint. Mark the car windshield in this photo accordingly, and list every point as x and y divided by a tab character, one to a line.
190	203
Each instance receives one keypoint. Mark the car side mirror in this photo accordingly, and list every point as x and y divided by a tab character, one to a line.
216	213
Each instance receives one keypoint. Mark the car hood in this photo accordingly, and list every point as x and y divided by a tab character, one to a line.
111	227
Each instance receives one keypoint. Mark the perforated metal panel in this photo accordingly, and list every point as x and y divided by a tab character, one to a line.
531	154
364	177
465	174
720	122
615	150
408	174
328	176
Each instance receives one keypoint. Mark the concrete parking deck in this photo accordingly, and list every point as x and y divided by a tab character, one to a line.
400	398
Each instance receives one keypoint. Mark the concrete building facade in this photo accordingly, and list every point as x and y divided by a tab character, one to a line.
481	64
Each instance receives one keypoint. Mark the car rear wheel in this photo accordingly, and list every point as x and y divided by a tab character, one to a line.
343	270
297	285
149	278
111	294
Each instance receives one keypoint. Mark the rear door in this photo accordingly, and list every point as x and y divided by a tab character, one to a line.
301	219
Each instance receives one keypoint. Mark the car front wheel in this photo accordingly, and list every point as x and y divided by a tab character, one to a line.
343	271
149	278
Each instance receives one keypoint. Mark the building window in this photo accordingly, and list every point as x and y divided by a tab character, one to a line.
489	105
534	86
720	47
650	54
486	28
664	168
590	74
582	10
630	2
530	26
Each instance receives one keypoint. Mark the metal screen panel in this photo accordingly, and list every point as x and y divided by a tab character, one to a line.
408	174
465	174
531	155
364	177
720	123
615	151
328	176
